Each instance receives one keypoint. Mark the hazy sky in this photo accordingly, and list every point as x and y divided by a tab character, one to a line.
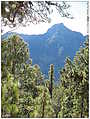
79	23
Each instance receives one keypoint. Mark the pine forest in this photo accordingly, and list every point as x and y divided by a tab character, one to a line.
26	92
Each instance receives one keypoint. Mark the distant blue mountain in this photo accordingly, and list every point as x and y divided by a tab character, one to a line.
53	47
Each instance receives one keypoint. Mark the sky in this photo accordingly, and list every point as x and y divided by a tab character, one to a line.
78	10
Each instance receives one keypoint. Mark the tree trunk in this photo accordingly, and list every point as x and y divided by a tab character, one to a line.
82	108
43	105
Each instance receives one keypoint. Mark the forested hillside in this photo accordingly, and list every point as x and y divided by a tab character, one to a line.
25	92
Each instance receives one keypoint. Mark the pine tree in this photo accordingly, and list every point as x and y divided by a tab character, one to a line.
42	104
67	89
82	62
38	75
10	97
56	99
51	78
14	54
75	85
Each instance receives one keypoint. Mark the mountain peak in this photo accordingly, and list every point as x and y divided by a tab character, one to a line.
60	27
61	24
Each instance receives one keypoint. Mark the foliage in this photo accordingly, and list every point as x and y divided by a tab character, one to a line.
10	97
14	55
26	93
75	85
22	12
43	106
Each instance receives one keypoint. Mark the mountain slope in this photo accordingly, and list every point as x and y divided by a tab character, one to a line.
53	46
